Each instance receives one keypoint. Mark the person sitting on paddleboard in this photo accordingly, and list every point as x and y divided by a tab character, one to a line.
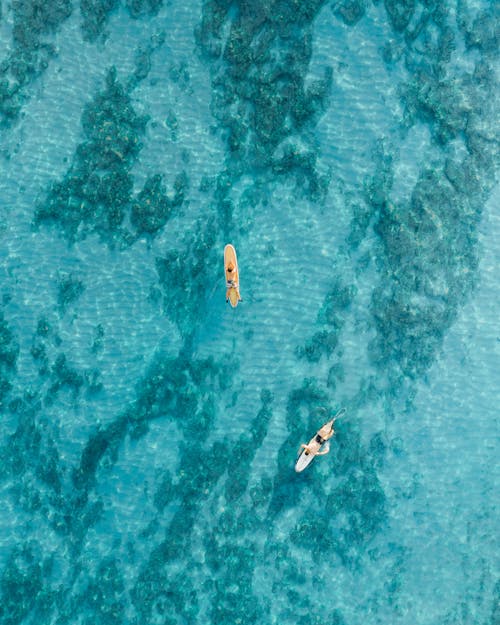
230	283
322	435
230	269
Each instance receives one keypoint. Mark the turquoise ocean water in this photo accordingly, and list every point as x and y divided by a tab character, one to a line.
148	432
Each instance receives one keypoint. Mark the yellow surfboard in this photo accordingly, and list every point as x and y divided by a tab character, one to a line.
232	276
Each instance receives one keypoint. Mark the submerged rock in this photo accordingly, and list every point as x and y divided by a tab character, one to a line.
32	21
9	350
260	98
96	194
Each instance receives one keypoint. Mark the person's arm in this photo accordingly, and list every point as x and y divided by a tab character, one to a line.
323	453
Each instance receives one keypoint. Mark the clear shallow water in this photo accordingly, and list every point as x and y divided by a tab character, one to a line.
148	431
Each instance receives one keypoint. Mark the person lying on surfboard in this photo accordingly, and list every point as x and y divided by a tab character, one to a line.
322	435
319	445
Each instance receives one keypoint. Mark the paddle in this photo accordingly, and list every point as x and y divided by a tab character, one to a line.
339	414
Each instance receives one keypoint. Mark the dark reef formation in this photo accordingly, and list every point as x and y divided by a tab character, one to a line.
431	261
183	300
69	290
96	194
98	187
139	8
33	22
9	350
96	13
349	11
259	95
152	208
332	318
430	240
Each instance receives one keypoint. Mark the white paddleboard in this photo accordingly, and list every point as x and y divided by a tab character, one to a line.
305	459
